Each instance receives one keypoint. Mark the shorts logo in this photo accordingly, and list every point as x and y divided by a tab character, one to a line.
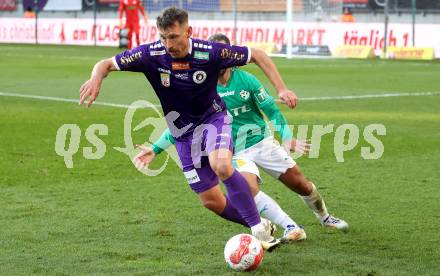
180	65
165	79
240	163
192	176
199	77
244	94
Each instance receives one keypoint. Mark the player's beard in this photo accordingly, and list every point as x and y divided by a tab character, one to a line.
222	72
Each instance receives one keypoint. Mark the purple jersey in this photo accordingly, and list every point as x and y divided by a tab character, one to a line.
185	85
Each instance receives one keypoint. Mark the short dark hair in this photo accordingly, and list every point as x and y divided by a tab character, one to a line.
219	38
170	16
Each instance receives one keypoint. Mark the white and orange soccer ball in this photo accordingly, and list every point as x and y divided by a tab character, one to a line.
243	252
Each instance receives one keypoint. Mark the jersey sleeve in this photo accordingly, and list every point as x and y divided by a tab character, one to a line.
164	142
134	60
267	104
230	55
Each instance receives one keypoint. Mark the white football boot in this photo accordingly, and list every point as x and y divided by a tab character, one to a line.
268	242
293	233
335	223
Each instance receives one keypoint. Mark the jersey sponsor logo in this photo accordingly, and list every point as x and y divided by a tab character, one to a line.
226	94
201	55
157	53
164	70
180	65
165	79
192	176
229	54
262	95
240	110
182	76
199	77
245	95
129	59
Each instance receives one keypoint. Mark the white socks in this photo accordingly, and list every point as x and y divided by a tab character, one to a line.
268	208
316	204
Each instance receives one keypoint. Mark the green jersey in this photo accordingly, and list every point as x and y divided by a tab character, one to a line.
246	99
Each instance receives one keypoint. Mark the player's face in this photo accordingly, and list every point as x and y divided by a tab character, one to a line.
175	39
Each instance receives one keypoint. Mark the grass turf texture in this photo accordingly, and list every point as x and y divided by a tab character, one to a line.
103	217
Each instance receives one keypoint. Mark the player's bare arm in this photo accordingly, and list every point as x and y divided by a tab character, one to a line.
91	87
263	61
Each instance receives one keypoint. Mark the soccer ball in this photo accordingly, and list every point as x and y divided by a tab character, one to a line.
243	252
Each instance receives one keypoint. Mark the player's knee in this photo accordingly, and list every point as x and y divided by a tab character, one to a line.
223	170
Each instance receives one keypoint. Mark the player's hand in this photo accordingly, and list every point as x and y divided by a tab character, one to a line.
288	97
144	157
121	24
299	146
89	89
145	21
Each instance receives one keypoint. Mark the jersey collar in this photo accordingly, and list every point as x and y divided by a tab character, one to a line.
190	48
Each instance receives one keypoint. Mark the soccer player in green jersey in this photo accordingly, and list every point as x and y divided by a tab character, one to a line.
254	146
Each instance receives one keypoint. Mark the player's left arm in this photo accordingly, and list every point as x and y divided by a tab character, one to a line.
266	103
263	61
281	126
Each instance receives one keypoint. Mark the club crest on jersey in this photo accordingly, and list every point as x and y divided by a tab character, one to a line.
244	94
199	77
165	79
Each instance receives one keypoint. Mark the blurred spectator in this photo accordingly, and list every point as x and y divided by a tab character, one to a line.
29	13
131	9
347	15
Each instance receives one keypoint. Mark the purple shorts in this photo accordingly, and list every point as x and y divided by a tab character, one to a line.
213	134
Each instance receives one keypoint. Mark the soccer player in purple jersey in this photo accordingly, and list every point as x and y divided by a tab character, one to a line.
183	72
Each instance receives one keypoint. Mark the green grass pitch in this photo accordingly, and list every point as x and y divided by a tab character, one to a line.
102	217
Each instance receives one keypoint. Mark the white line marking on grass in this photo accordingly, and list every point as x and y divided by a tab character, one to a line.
416	94
62	99
368	96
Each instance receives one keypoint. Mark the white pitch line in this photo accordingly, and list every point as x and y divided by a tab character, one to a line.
387	95
62	99
415	94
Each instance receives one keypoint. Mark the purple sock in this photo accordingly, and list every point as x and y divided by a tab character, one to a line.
231	214
241	198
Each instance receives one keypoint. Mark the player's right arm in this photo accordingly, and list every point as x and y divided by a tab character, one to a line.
91	87
147	154
135	60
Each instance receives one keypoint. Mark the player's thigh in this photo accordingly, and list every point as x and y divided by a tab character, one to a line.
199	175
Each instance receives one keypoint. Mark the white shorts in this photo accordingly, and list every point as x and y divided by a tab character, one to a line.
268	155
